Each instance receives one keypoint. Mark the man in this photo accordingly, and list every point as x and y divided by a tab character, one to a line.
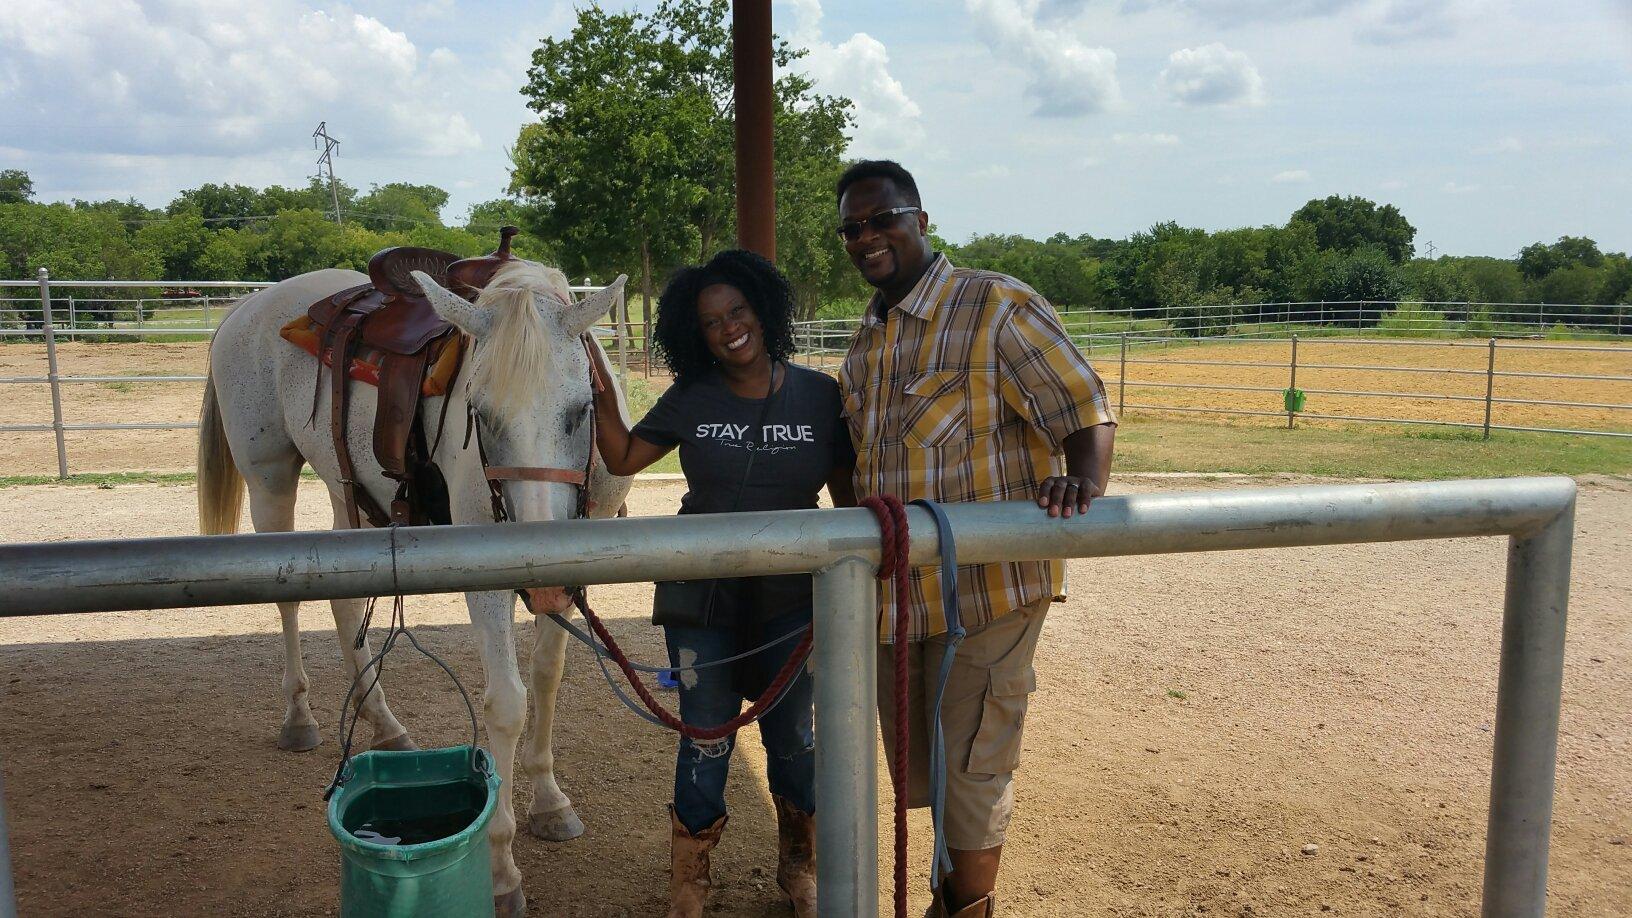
962	385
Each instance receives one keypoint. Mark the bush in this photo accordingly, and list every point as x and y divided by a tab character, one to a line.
1412	320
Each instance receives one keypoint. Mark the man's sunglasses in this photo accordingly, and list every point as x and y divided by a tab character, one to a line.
850	230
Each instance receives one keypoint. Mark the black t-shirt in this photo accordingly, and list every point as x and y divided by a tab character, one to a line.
800	443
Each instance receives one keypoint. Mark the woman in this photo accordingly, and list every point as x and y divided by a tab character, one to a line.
754	433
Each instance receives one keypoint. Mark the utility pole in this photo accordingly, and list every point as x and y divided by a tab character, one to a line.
1431	250
327	148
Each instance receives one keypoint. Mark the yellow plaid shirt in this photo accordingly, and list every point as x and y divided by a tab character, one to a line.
964	392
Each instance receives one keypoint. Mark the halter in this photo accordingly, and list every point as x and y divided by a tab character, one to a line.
496	474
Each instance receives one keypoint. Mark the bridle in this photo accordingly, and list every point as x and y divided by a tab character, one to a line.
496	475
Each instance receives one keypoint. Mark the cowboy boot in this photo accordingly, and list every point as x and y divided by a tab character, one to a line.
688	866
984	907
796	856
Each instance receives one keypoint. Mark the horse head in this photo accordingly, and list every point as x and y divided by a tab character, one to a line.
528	380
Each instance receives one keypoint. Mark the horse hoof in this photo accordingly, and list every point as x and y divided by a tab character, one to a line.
512	904
299	738
398	743
557	825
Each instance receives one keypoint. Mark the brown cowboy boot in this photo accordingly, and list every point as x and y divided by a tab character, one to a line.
984	907
796	856
688	866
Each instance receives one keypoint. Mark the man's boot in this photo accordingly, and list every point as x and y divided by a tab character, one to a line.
688	866
796	856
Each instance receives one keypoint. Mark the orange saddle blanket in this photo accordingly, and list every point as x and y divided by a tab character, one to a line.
365	367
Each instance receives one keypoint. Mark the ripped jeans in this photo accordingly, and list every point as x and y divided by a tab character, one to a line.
713	696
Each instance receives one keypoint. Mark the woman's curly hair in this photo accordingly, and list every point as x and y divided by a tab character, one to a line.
679	336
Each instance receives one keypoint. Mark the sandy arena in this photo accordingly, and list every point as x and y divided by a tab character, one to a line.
34	453
1200	719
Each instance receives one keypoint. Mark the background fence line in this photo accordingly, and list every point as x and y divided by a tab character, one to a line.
1145	338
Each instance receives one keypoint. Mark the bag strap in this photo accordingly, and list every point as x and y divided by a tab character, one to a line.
748	469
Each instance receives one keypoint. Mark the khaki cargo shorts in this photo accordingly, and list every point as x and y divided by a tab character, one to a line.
983	715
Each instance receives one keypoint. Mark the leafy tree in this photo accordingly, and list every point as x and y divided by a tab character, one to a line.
399	205
1439	281
219	203
1366	274
1346	223
15	186
1492	280
1571	284
179	243
1540	259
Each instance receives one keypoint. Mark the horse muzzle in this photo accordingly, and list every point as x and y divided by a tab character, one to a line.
548	600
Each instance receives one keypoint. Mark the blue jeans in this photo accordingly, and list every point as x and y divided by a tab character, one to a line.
709	697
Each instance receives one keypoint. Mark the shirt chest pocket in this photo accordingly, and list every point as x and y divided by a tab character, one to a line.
935	408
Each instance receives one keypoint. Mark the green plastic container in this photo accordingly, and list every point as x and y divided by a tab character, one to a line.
1295	400
451	875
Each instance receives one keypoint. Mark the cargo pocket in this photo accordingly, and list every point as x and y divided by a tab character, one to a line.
996	747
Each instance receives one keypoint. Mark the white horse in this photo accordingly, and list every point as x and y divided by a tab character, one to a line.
528	376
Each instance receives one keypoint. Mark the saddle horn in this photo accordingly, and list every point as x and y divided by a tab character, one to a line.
468	276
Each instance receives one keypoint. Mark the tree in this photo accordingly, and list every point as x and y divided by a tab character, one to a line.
15	186
1344	224
179	243
219	203
1539	259
399	205
1365	274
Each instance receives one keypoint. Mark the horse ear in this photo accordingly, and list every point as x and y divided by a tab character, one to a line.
453	307
581	315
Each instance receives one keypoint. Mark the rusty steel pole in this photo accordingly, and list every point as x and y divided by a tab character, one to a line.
755	111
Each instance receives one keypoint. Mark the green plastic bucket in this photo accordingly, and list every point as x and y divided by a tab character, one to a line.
430	792
1295	400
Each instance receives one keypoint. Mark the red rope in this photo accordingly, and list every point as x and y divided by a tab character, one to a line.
892	523
764	701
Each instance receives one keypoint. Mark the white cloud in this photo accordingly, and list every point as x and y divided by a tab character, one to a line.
1146	140
1397	21
1212	75
1290	177
1457	188
1065	77
221	78
1243	12
991	172
1391	185
888	121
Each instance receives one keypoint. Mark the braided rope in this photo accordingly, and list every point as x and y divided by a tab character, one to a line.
892	523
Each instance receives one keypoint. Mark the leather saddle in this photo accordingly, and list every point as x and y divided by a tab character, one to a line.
416	352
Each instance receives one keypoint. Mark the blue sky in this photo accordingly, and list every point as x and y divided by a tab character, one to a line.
1490	124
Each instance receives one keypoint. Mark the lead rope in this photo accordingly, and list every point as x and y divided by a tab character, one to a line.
894	542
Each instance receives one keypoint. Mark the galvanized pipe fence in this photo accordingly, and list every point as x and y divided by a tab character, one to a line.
841	548
211	310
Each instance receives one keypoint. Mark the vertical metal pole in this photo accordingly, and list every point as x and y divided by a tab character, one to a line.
1293	384
8	893
51	372
1528	694
207	312
621	312
755	111
1122	377
845	660
1490	384
73	319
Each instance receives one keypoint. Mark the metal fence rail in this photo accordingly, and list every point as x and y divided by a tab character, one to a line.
48	330
842	548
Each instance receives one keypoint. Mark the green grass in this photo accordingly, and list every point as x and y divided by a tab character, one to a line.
1150	443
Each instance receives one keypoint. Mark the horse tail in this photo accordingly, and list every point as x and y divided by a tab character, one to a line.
220	484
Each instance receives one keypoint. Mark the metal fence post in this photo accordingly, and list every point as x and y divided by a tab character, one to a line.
1528	695
73	319
1490	384
621	322
51	371
1122	377
1292	385
845	659
8	894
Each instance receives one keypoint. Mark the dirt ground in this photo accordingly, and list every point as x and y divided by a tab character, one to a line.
1199	720
34	453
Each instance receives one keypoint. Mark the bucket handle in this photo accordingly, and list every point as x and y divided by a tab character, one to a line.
399	628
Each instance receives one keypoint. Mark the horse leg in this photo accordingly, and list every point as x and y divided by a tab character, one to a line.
272	509
551	816
504	711
388	732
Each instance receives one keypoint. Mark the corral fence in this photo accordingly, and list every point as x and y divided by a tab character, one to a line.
841	548
151	309
1132	342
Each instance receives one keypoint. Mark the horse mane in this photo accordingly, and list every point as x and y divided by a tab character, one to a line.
512	359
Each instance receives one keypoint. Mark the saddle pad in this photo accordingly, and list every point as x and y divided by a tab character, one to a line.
365	363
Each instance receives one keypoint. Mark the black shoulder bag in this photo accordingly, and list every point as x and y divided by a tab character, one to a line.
711	603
